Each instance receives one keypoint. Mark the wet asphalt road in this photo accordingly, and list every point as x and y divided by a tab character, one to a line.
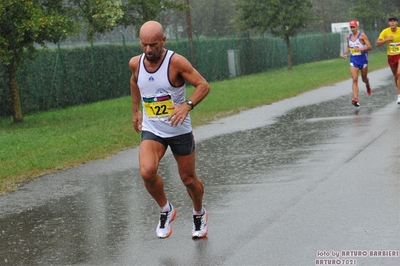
305	181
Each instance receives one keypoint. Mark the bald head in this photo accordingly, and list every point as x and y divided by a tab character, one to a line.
152	40
151	29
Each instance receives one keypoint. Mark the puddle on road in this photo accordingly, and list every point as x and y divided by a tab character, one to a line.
92	226
248	156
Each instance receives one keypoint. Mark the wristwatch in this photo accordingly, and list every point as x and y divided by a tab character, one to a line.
189	102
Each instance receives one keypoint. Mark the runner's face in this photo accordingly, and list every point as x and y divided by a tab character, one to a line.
393	23
152	48
353	29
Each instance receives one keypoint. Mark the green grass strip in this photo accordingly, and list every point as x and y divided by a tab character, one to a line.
55	140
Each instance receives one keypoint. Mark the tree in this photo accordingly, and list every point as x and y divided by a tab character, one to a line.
212	17
97	16
327	12
283	18
24	23
390	7
136	12
367	12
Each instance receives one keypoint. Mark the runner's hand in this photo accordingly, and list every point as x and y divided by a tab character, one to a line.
179	114
137	121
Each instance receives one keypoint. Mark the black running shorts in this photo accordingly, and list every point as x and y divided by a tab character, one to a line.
181	145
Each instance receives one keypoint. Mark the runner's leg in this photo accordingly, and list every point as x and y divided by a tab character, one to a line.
396	72
194	186
354	77
364	76
150	154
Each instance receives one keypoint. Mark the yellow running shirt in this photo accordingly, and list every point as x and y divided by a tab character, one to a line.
393	47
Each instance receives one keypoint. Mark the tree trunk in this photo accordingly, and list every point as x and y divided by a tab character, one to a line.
289	52
13	84
323	17
190	35
324	26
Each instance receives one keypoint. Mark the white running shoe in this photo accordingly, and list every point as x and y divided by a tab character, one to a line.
200	228
164	228
398	99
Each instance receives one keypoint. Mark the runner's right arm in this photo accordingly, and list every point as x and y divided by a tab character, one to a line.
135	94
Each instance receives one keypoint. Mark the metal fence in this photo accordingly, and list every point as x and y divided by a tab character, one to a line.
67	76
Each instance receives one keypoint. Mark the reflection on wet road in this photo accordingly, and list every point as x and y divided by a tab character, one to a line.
287	142
109	219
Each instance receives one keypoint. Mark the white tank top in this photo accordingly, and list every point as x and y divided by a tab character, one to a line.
157	94
356	43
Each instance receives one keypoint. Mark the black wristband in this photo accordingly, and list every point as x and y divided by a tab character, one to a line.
189	102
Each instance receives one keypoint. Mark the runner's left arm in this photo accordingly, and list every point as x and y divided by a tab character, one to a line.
185	70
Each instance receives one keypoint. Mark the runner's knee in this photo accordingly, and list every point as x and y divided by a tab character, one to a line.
148	173
189	181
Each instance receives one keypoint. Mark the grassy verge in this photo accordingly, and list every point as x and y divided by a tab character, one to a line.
54	140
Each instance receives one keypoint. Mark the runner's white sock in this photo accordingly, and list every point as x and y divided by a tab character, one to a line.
165	208
201	212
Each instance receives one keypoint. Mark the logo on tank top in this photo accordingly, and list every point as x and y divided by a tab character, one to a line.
151	79
161	91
